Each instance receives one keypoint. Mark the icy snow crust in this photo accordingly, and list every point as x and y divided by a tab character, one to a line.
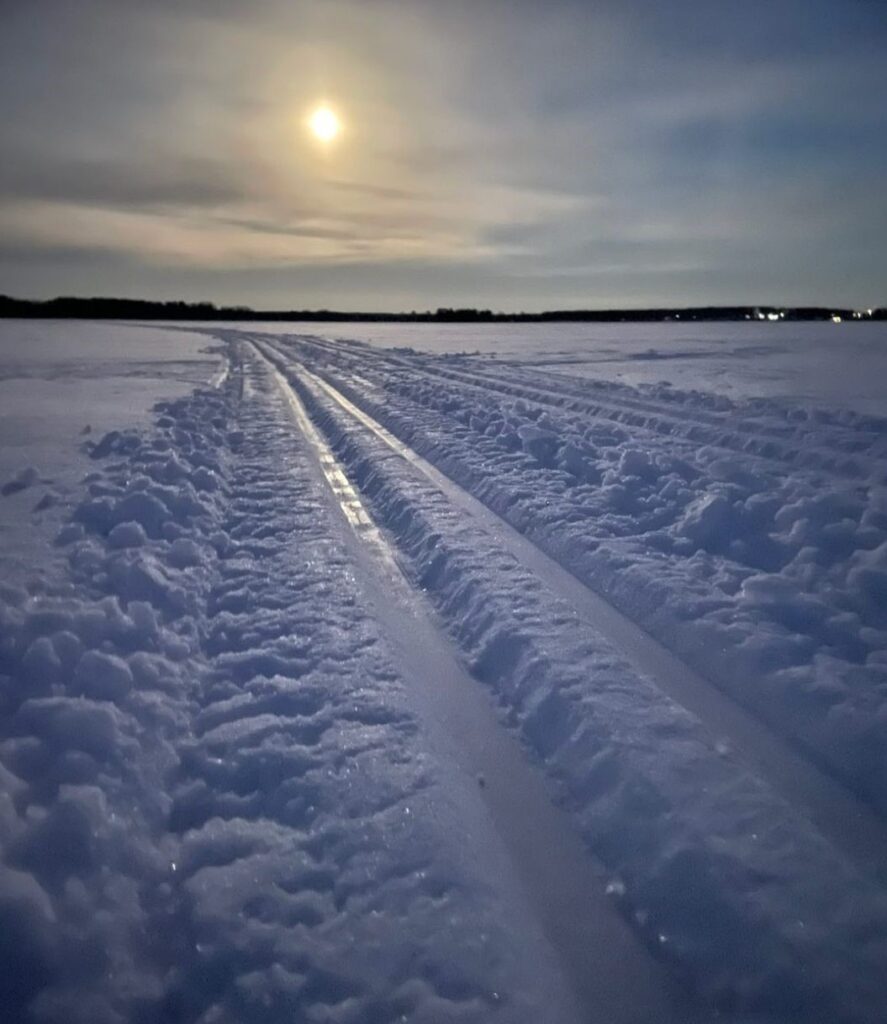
219	802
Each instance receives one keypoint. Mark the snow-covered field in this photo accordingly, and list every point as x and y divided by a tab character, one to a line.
433	674
823	363
61	383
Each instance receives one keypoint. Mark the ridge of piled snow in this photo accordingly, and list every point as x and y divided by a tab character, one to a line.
765	570
218	801
64	382
689	862
215	801
795	363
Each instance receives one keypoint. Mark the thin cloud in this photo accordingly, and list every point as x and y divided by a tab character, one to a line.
117	184
569	144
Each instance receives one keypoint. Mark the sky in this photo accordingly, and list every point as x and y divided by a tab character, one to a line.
505	154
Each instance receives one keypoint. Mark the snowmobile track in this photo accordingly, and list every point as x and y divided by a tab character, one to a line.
600	955
844	819
734	433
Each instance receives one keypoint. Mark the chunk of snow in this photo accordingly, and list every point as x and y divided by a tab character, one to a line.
23	479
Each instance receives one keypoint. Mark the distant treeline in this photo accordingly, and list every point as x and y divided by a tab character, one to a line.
140	309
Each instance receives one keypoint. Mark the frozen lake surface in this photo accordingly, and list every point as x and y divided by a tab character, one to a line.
63	382
365	672
823	363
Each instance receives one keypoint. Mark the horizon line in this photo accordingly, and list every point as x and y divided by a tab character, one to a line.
112	307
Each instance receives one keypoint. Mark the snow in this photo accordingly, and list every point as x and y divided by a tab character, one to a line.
807	362
675	529
67	382
234	826
560	691
251	633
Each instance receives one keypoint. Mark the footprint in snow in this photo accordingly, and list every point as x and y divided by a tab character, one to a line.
23	479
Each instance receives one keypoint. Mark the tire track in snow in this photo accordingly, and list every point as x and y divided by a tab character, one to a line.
317	829
688	428
647	417
844	819
221	375
759	580
614	978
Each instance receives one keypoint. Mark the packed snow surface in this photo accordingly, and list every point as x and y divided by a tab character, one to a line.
824	363
355	668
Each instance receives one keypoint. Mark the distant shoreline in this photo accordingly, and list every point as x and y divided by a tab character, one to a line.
138	309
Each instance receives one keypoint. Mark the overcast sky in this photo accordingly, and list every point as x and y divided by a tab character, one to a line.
514	155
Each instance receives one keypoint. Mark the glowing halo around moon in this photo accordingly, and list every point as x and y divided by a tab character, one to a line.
324	125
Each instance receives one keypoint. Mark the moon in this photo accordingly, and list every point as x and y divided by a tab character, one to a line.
324	124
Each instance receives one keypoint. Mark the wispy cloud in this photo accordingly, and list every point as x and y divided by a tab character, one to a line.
593	145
